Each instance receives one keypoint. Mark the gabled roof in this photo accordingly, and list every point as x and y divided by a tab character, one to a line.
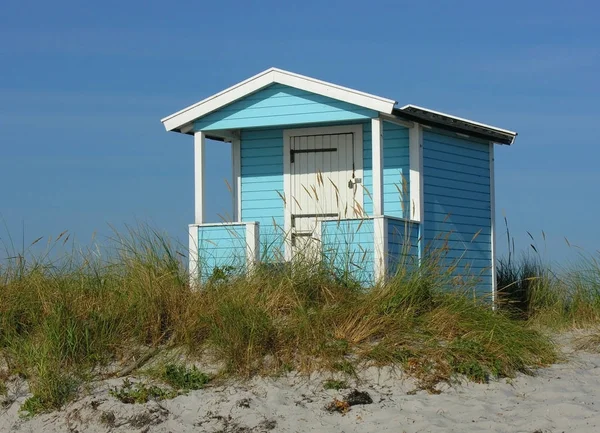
182	121
270	76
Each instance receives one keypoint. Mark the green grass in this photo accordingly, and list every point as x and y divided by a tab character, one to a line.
335	384
50	391
184	378
549	296
60	320
140	392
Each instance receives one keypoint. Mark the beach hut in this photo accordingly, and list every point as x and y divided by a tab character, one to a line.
337	174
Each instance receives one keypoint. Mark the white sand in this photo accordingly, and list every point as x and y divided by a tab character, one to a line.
562	398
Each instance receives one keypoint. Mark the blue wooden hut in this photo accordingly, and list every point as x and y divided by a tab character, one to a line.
350	176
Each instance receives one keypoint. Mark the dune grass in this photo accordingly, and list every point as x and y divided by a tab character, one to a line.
62	320
548	296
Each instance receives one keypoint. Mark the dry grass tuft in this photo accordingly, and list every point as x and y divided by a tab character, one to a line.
60	320
589	342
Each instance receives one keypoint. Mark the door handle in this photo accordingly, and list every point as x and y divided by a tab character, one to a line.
353	182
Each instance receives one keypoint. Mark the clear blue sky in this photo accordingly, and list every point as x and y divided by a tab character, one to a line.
83	86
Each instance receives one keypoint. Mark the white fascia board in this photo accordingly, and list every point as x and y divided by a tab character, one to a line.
462	119
334	91
266	78
218	100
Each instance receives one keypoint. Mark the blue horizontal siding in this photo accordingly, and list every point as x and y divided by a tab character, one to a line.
443	191
396	167
403	244
456	167
467	203
266	159
457	227
437	208
450	180
281	105
348	248
454	224
221	247
459	160
262	184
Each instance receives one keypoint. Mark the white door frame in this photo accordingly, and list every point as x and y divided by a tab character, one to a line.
357	130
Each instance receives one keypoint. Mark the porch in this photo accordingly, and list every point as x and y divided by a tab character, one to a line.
366	249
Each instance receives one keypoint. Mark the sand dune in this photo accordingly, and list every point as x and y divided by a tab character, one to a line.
562	398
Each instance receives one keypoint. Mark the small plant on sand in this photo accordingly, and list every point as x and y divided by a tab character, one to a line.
345	366
50	392
335	384
108	419
140	393
470	359
182	377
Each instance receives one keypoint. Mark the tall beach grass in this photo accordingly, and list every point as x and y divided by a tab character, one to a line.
62	320
547	295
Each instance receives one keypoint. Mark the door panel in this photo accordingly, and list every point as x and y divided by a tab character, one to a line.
324	183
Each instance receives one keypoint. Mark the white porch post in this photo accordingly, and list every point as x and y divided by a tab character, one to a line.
415	135
236	179
493	225
252	245
193	253
199	144
377	154
379	221
416	201
380	238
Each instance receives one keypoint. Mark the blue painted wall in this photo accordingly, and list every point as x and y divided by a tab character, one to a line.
262	183
348	247
395	168
456	176
221	246
403	244
281	105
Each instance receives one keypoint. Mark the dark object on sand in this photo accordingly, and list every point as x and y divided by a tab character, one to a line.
352	399
358	397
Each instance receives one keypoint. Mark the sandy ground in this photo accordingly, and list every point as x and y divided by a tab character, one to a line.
562	398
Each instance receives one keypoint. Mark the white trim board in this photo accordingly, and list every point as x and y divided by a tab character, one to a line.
380	247
252	244
226	223
199	178
356	129
236	179
270	76
416	202
493	224
377	165
193	255
462	119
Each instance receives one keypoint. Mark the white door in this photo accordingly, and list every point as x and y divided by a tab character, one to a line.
326	172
